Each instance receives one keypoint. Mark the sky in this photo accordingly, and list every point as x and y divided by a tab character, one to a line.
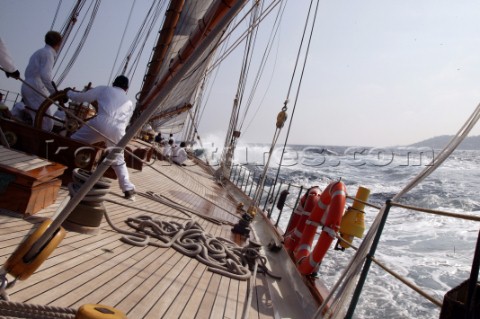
379	73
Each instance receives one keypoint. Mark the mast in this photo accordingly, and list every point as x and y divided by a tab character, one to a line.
233	132
161	48
214	15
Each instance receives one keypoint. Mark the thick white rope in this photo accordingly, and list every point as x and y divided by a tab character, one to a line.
221	255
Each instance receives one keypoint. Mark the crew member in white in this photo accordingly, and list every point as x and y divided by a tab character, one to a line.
38	76
180	155
113	116
167	150
6	62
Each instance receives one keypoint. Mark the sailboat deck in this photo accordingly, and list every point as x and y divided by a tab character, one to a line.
143	282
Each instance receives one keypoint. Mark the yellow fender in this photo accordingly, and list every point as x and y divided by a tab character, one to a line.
92	311
22	269
353	221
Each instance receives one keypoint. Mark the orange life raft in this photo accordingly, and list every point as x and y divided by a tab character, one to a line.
328	214
294	230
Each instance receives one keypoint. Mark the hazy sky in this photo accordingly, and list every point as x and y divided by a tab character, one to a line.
379	73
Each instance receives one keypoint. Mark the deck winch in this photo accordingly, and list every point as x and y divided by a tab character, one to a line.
243	225
88	215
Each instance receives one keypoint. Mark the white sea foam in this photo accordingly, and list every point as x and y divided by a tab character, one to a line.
433	252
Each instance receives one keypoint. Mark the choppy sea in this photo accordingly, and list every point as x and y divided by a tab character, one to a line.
433	252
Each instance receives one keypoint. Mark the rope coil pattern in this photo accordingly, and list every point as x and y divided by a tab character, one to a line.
9	309
221	255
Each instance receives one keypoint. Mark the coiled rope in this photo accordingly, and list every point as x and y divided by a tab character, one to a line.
221	255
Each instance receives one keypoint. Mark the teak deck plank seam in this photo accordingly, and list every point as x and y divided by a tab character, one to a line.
144	282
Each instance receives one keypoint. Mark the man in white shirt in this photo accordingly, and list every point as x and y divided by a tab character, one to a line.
180	155
113	116
6	62
38	77
167	150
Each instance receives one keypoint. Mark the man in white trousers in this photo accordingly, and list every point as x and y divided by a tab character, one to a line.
113	116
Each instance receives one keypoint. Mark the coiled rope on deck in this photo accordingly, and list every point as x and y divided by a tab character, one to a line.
221	255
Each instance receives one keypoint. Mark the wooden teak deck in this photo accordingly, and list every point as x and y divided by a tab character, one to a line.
149	281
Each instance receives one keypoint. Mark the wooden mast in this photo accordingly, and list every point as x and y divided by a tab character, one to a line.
166	34
204	27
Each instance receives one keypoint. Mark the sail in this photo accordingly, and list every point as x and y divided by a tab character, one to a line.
194	22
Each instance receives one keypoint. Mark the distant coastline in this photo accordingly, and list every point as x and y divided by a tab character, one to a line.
438	142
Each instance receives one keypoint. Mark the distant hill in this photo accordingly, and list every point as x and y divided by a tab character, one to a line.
438	142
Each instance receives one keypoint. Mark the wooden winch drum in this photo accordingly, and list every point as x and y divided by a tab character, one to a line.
85	218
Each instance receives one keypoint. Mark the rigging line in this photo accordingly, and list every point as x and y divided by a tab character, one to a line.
191	190
191	131
121	40
244	34
58	66
300	47
211	83
80	45
196	130
230	140
229	144
266	54
254	86
264	94
182	208
184	27
76	8
190	121
192	72
147	33
136	207
215	46
259	190
299	82
248	53
56	14
82	42
204	104
70	23
200	64
143	32
254	26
